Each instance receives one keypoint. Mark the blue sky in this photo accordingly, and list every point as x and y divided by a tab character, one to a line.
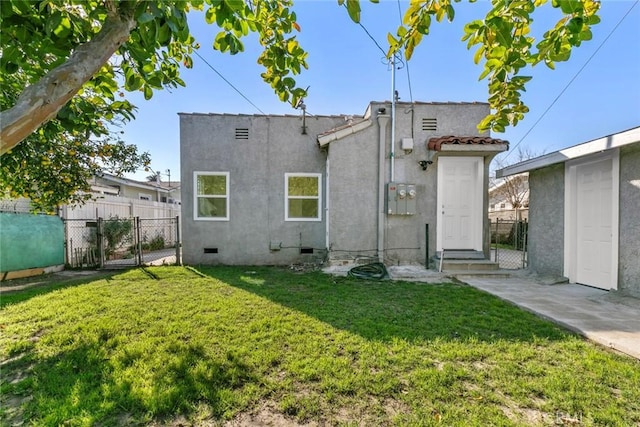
601	82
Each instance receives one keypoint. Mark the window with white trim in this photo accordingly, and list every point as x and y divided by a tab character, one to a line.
211	198
303	197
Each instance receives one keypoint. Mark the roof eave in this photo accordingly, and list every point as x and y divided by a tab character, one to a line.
596	146
325	139
490	148
125	181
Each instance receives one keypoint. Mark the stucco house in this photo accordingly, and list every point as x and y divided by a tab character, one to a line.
262	189
152	191
584	212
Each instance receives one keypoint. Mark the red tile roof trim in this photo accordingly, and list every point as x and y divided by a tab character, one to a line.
436	143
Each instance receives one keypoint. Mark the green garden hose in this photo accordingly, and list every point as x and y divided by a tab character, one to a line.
373	271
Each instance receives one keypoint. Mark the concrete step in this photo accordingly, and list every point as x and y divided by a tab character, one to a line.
460	254
486	274
459	265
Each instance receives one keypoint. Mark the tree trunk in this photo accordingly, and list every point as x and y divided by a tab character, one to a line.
41	101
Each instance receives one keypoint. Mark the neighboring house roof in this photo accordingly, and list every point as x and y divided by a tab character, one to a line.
167	185
436	144
132	183
595	146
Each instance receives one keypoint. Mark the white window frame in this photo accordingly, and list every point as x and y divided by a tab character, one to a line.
287	197
196	174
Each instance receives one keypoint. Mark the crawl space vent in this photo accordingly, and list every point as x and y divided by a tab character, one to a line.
306	250
429	124
242	133
210	250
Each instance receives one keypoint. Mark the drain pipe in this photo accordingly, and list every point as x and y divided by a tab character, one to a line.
326	204
383	120
394	97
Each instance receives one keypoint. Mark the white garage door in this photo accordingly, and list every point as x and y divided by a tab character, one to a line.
594	224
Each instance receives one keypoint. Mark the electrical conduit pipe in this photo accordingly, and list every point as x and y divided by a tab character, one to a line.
383	121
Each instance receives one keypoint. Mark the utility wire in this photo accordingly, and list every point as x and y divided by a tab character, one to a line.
408	73
370	36
374	40
228	82
571	81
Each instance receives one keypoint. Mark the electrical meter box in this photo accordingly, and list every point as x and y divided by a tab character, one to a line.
392	196
411	199
401	199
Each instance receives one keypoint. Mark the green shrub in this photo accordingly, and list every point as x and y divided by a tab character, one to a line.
156	243
116	232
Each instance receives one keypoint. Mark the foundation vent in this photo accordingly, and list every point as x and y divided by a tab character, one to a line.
210	250
242	133
429	124
306	250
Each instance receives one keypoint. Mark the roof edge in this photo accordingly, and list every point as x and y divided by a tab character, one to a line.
132	183
605	143
342	132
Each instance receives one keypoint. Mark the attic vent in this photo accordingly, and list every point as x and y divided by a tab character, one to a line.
429	124
242	133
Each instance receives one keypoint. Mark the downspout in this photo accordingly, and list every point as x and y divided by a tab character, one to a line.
326	204
394	97
383	120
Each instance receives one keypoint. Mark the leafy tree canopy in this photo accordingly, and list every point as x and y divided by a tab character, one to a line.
66	64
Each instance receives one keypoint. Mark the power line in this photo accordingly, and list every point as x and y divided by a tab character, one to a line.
228	82
408	73
396	55
374	40
571	81
369	34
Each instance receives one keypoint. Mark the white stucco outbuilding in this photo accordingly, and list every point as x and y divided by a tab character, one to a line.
584	212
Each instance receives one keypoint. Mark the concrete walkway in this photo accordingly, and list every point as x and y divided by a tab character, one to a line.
606	318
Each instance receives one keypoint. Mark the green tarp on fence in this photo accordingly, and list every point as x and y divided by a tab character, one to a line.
30	241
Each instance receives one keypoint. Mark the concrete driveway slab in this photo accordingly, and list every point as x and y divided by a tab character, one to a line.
607	318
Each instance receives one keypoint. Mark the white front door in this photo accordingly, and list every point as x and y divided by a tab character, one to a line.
460	203
594	225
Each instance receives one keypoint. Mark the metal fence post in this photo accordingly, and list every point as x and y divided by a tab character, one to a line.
66	242
497	238
100	242
137	240
524	244
178	244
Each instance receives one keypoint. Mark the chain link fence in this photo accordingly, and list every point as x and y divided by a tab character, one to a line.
121	242
509	243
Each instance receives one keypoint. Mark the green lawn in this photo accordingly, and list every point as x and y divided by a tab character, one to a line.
177	345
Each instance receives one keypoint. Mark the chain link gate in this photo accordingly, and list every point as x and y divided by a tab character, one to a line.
159	241
121	242
509	243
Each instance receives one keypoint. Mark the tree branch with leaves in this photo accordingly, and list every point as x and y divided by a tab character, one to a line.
504	45
66	65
